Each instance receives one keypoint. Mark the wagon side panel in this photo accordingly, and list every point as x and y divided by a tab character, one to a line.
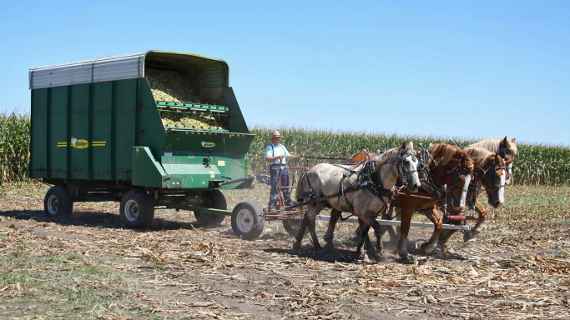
79	130
39	134
58	119
124	111
100	139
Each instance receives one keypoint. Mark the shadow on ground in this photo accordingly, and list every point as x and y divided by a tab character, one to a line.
334	255
95	219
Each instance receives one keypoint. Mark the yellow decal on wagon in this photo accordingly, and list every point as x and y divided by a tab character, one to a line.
82	144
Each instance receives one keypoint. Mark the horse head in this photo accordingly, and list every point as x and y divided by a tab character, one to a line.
452	167
408	166
493	173
508	150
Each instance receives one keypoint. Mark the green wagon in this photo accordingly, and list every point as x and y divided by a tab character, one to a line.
156	129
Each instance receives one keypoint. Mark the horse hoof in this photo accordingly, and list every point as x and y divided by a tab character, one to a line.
329	246
366	259
380	258
297	246
427	248
409	259
470	236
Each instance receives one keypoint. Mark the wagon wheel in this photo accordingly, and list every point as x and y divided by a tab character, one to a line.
247	220
58	202
137	209
212	199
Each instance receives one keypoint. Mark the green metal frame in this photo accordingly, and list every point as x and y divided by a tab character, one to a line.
110	133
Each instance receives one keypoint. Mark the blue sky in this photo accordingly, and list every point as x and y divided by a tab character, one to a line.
444	68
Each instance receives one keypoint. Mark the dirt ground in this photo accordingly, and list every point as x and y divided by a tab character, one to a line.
89	267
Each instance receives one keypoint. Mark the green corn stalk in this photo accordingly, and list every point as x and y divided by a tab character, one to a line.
535	165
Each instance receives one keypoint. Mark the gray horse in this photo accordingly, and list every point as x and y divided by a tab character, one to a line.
364	190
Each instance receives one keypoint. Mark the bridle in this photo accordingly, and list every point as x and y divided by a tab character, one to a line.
489	176
403	171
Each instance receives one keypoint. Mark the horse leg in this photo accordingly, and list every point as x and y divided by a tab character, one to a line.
445	236
304	224
436	217
313	231
393	234
362	237
329	236
482	214
406	220
300	233
378	231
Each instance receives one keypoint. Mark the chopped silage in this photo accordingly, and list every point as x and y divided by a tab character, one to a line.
172	86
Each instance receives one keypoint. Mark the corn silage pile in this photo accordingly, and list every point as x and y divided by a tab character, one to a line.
172	86
197	122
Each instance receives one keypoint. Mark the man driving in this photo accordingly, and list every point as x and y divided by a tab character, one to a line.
276	154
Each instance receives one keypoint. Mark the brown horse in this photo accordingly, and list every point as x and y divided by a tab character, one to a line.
447	165
506	148
490	173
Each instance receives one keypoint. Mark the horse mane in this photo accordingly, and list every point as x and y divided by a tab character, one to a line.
443	153
479	155
493	145
386	155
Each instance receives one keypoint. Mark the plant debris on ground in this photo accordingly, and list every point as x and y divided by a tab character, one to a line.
89	267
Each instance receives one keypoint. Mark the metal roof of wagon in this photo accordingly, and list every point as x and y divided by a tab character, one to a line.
107	69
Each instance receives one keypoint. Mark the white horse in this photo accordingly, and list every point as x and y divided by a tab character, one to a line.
365	191
506	148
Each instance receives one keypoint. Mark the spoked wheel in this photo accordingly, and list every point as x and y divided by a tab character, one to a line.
58	202
137	209
247	220
212	199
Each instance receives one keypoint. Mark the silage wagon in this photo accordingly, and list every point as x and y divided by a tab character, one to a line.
156	129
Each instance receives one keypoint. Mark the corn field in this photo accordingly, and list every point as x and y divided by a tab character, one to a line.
14	152
545	165
535	165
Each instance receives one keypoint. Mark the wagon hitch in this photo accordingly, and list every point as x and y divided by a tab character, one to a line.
244	183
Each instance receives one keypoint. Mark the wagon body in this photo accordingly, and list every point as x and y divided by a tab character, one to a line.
98	122
103	127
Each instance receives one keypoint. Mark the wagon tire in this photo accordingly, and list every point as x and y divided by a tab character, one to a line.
137	209
247	220
58	203
212	199
292	226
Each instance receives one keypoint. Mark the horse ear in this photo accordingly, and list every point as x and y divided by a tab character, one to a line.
514	140
505	140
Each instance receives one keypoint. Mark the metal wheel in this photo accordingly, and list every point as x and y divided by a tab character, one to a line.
132	212
137	209
57	202
247	220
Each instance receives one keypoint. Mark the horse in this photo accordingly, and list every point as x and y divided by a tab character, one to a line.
441	164
364	190
490	172
506	148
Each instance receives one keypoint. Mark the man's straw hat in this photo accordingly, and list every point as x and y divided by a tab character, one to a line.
275	134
